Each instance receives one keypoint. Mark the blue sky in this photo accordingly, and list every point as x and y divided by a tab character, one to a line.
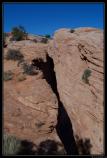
46	18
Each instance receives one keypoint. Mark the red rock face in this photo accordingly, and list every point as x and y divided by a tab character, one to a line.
31	105
73	53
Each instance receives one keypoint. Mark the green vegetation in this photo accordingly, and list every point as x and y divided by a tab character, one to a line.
15	146
8	75
13	54
18	33
21	77
29	69
72	31
87	73
47	36
11	145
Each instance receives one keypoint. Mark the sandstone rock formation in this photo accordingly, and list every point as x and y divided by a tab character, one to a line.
73	53
30	106
63	95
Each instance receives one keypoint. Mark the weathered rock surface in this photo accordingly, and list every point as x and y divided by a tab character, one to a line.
29	49
36	38
30	106
72	54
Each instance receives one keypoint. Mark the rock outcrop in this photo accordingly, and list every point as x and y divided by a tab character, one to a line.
64	100
30	106
73	54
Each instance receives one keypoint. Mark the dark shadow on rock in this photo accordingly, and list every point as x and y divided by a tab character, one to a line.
26	148
84	146
64	126
49	147
65	131
48	71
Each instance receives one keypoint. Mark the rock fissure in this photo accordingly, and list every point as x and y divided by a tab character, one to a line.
64	125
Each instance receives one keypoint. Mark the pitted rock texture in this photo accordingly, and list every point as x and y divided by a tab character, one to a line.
72	54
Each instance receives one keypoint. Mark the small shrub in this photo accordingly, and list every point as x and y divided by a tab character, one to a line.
49	147
13	54
21	77
29	69
8	75
85	76
21	61
47	36
72	31
11	145
34	40
44	40
18	33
